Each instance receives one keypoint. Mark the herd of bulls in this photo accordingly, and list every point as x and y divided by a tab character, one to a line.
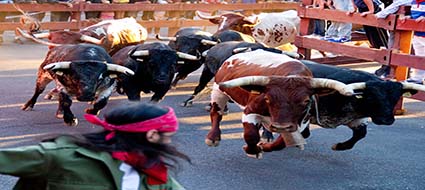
277	90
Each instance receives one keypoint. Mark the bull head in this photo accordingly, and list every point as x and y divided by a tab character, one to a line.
182	55
342	88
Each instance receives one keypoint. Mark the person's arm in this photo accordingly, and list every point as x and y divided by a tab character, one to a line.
370	7
392	8
350	12
29	161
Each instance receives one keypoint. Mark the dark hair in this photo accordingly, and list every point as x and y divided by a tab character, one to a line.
133	142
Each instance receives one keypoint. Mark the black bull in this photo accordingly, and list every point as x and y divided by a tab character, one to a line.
154	66
84	71
377	101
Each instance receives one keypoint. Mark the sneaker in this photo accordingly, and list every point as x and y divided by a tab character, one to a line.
339	40
383	71
326	38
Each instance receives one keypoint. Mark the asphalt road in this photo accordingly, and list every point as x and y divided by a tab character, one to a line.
389	158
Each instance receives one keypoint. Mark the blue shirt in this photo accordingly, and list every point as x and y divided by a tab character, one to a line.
416	11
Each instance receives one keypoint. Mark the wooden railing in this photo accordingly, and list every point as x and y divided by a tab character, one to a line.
398	56
173	25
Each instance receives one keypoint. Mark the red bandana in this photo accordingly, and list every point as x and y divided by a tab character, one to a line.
164	123
157	174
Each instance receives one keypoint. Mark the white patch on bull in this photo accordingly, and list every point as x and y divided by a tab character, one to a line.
221	98
221	26
256	119
256	57
275	24
357	122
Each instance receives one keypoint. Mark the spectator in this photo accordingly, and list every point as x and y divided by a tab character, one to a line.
148	15
133	151
319	25
120	14
93	14
107	15
61	16
339	31
377	37
3	17
134	13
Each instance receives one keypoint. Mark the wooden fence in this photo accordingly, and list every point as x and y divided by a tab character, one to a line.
173	25
398	57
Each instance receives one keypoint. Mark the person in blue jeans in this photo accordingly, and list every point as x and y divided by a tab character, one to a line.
339	31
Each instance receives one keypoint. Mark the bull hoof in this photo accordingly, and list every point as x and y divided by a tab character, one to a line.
91	111
73	123
212	143
258	155
187	103
341	147
59	115
27	108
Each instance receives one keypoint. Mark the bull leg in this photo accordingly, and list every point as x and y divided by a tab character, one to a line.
98	105
65	103
359	132
214	135
40	86
159	94
176	80
205	78
278	144
252	138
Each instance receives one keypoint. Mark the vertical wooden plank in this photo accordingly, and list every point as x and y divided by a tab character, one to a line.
404	39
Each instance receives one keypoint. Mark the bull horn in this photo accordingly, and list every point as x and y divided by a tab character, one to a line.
242	49
342	88
250	20
91	39
57	65
119	68
249	80
187	56
208	42
205	53
293	55
42	35
412	86
31	37
357	85
141	53
206	17
162	38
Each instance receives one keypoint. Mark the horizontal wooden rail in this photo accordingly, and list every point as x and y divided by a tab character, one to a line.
178	23
378	55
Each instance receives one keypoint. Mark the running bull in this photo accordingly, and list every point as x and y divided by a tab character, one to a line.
84	71
110	34
154	66
271	29
377	101
274	90
215	57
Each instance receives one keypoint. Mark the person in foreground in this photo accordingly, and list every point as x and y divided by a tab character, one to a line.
133	152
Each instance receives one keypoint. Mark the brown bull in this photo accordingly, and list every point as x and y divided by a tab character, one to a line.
274	90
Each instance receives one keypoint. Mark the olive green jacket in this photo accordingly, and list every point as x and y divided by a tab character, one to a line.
62	165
